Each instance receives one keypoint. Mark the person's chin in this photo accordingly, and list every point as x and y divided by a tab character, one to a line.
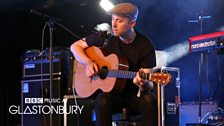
116	34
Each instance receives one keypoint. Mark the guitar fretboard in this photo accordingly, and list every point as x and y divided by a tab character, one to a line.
126	74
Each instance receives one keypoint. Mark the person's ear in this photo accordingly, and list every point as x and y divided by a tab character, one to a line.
132	23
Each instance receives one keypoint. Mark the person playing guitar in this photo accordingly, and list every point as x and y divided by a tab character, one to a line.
139	53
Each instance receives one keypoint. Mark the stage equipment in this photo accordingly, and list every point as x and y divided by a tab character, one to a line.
36	103
214	117
36	64
50	22
170	98
204	45
36	83
206	42
189	112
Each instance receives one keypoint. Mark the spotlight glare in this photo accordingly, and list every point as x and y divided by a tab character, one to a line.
161	58
177	51
106	5
103	27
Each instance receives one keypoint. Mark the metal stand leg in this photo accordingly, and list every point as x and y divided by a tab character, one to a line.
160	103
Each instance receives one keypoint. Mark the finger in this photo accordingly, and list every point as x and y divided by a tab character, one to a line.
135	81
140	70
141	83
95	68
89	72
138	77
138	74
92	72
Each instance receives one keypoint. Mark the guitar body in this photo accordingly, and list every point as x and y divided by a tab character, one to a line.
85	86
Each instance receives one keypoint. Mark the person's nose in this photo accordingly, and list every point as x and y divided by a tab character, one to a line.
114	24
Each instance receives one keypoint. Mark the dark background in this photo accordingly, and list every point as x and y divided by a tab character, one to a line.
165	22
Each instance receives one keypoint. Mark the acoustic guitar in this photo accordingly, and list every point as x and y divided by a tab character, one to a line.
112	74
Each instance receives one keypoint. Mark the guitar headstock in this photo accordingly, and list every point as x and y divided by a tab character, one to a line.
162	78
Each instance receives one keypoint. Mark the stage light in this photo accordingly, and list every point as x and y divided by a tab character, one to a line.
177	51
106	5
103	27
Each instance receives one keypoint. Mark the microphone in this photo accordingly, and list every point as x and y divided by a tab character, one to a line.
103	31
107	40
43	15
104	36
38	13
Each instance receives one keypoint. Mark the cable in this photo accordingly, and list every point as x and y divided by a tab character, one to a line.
219	74
41	67
78	37
75	99
207	78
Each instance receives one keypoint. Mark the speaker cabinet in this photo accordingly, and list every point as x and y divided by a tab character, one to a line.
36	65
37	105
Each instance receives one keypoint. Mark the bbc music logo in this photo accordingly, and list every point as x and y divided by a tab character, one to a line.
34	100
42	100
45	106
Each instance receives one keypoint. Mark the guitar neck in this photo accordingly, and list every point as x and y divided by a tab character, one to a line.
126	74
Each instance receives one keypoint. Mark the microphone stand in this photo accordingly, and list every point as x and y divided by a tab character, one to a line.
200	73
200	18
50	23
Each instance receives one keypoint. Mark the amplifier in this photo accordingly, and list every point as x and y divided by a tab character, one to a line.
36	64
35	102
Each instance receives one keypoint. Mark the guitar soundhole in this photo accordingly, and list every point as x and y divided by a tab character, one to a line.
103	72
